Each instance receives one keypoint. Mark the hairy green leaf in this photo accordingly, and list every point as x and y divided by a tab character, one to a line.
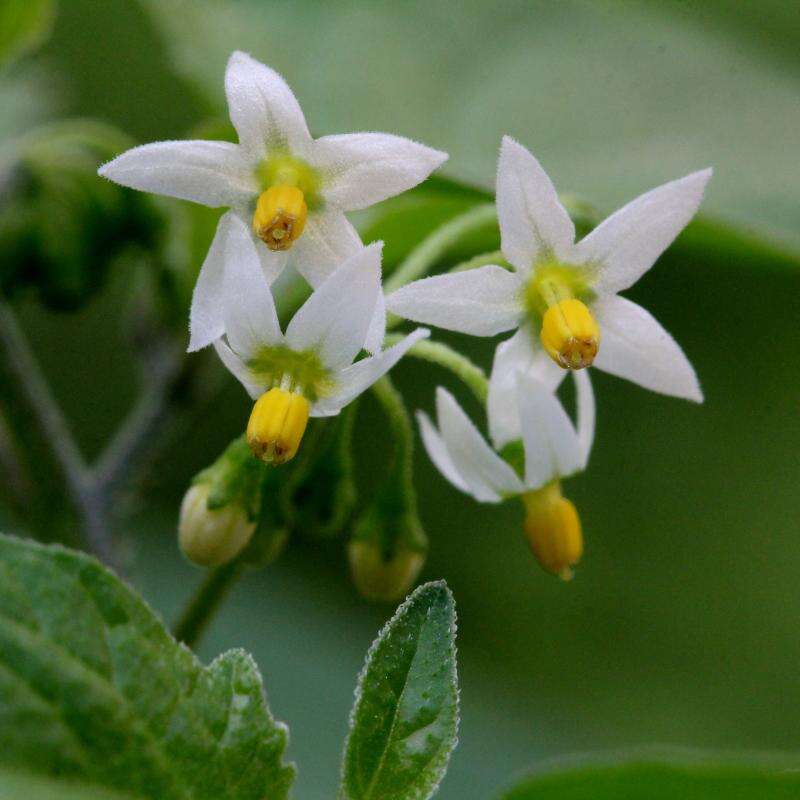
663	776
404	723
95	691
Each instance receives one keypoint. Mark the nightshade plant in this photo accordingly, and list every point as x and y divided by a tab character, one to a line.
97	699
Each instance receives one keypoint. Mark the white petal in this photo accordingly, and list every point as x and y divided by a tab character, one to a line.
533	223
438	452
633	345
552	448
489	477
238	369
212	173
353	380
377	327
206	317
334	321
586	413
521	353
482	302
273	262
263	108
626	245
328	239
250	316
361	169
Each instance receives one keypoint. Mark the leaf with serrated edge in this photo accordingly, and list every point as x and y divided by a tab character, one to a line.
404	723
95	691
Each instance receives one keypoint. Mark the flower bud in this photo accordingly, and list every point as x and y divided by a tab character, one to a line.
211	537
277	424
570	334
553	529
280	216
383	577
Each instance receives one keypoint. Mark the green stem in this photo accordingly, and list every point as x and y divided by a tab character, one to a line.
425	255
482	260
402	428
461	366
205	602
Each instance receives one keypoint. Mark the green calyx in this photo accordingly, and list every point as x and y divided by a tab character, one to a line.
553	282
273	363
281	168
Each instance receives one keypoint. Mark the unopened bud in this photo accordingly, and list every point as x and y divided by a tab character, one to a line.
553	529
277	424
211	537
570	334
382	577
280	216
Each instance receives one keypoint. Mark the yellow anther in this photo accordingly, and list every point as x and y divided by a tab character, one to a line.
570	334
553	529
277	425
280	216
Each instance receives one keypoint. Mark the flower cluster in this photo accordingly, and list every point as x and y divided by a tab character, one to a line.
287	195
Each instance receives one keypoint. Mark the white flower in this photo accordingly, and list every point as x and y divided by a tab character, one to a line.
292	188
309	369
561	295
553	447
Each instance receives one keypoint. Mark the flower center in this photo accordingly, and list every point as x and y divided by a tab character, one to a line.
569	332
277	424
553	529
280	216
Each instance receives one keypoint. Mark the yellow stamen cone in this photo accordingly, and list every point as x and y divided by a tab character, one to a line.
570	334
280	216
277	424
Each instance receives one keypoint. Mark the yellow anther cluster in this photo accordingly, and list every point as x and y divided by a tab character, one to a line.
570	334
280	216
553	529
277	424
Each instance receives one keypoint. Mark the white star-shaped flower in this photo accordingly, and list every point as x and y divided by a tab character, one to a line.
292	189
562	296
552	449
309	369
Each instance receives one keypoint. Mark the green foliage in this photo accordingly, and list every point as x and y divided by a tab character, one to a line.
649	776
403	726
94	690
24	25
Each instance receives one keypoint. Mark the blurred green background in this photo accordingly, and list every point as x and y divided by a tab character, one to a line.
680	627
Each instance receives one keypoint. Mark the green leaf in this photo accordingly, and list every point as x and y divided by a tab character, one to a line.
663	776
404	723
94	690
24	25
23	785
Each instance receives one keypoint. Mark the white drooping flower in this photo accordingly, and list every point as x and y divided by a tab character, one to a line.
562	296
309	370
292	189
552	449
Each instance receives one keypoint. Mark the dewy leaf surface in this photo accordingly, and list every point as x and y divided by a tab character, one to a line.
95	691
404	723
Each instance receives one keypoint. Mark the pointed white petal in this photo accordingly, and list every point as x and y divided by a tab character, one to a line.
334	321
626	245
489	477
377	327
364	168
586	413
273	262
238	369
263	108
250	317
521	353
438	452
533	223
212	173
353	380
206	317
633	345
482	302
552	448
328	239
